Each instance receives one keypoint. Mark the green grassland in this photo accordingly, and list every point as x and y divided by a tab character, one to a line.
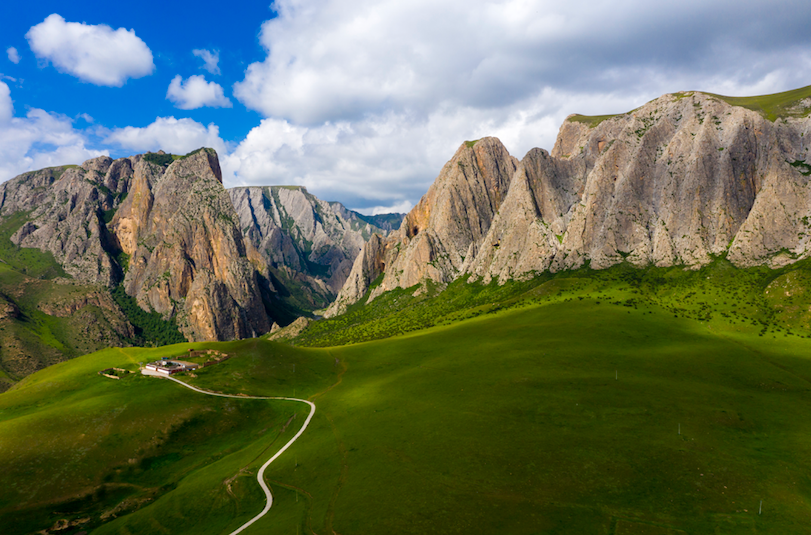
87	449
555	409
774	106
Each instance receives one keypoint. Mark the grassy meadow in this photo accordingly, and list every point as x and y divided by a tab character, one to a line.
616	402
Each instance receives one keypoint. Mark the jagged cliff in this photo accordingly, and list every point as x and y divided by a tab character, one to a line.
442	231
186	252
223	264
305	241
686	177
162	226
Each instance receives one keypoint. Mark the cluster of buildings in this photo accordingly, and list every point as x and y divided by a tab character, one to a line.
169	367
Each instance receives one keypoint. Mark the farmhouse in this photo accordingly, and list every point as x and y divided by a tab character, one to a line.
169	367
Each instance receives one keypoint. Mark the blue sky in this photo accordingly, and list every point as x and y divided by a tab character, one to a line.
363	101
170	29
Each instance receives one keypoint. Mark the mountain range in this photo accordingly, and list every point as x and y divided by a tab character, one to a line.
686	178
153	249
163	233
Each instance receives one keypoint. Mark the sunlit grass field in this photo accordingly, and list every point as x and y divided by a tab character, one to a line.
579	408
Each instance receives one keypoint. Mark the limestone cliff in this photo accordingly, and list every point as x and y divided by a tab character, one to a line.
682	179
67	208
162	226
186	253
308	242
443	231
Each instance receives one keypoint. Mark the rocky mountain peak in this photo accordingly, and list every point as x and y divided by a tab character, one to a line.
163	226
444	227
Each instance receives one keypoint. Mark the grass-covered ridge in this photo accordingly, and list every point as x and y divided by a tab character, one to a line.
769	300
794	103
777	105
591	120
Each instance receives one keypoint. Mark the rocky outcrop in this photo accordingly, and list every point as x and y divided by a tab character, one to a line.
291	331
679	181
312	242
67	207
162	226
186	254
443	231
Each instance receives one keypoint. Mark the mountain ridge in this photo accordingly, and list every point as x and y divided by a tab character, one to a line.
678	181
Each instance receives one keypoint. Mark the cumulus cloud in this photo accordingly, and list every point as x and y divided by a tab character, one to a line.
195	93
388	160
40	139
178	136
364	100
334	60
211	59
13	55
93	53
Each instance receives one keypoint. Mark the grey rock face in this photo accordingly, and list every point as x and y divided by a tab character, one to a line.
186	253
174	223
443	231
67	207
678	181
312	241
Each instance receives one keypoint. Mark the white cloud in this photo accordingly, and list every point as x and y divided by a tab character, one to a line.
93	53
195	93
6	105
331	60
210	59
178	136
365	100
402	207
40	139
13	55
385	160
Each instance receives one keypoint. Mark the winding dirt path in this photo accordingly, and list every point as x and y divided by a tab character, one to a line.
260	477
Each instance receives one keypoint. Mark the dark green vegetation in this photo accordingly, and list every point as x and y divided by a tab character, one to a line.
150	327
30	262
46	318
33	293
165	159
772	301
159	159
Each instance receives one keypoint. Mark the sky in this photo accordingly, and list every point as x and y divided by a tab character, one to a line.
363	101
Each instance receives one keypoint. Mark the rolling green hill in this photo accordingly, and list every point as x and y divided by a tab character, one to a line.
604	414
